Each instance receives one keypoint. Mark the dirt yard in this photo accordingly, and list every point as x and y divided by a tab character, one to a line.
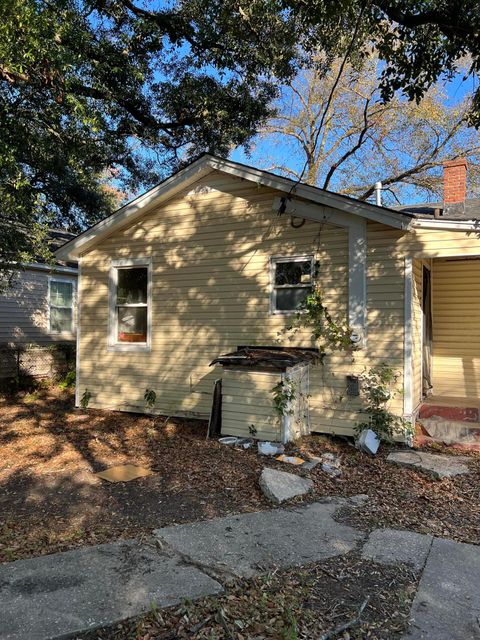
51	501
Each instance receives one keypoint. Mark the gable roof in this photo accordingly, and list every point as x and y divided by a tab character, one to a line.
204	165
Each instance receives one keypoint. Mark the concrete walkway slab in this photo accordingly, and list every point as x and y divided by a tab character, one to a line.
393	546
247	544
58	595
447	604
439	466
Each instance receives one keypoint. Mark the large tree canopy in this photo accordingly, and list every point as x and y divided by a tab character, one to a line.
95	89
87	87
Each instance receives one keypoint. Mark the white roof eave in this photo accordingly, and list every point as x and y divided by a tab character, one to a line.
203	166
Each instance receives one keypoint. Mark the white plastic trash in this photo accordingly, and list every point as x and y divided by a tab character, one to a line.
270	448
368	441
231	440
245	443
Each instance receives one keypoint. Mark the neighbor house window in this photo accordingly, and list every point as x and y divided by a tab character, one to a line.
292	281
61	306
130	303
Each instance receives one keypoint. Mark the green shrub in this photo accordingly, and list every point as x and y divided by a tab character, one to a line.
68	381
377	387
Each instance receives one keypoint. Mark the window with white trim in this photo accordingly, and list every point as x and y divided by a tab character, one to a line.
292	281
60	302
130	304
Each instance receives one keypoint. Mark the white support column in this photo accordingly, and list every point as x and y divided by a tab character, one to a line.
357	281
77	349
357	256
408	342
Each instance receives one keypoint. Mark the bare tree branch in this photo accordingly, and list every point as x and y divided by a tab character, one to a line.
361	140
352	150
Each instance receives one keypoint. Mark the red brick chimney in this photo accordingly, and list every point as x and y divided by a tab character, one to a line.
454	184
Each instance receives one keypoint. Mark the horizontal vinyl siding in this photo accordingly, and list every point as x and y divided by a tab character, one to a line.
456	328
246	402
24	310
210	251
455	305
210	254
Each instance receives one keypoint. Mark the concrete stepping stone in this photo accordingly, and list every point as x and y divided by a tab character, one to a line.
63	594
393	546
440	466
452	432
447	603
279	486
252	543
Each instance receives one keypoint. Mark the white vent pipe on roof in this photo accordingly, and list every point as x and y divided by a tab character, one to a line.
378	194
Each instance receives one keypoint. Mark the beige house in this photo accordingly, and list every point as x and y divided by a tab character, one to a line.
37	312
221	254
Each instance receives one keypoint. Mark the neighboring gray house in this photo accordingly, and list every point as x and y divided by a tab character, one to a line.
39	310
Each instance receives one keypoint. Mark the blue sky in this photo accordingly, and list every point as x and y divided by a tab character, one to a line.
264	151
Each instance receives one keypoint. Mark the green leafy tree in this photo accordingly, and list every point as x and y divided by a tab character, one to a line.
418	41
95	86
137	88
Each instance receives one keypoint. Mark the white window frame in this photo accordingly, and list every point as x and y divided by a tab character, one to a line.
113	343
74	295
273	287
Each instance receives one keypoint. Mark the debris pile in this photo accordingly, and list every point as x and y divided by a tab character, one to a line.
331	464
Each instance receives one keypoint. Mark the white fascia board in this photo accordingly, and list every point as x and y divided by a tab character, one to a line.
133	210
314	194
357	256
315	212
204	165
447	225
52	268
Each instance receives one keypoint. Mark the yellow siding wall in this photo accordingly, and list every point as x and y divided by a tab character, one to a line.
210	249
456	328
247	401
456	343
433	243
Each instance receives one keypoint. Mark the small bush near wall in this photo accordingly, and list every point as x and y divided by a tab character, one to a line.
23	365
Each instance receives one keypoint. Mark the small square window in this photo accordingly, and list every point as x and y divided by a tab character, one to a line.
292	282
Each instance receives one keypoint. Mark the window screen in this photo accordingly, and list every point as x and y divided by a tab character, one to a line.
293	280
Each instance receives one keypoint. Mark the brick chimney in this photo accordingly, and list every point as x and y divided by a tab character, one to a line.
454	187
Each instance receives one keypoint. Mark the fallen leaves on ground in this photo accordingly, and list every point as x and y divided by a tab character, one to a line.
51	501
402	497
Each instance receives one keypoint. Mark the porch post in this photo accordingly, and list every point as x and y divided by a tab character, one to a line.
408	342
357	280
